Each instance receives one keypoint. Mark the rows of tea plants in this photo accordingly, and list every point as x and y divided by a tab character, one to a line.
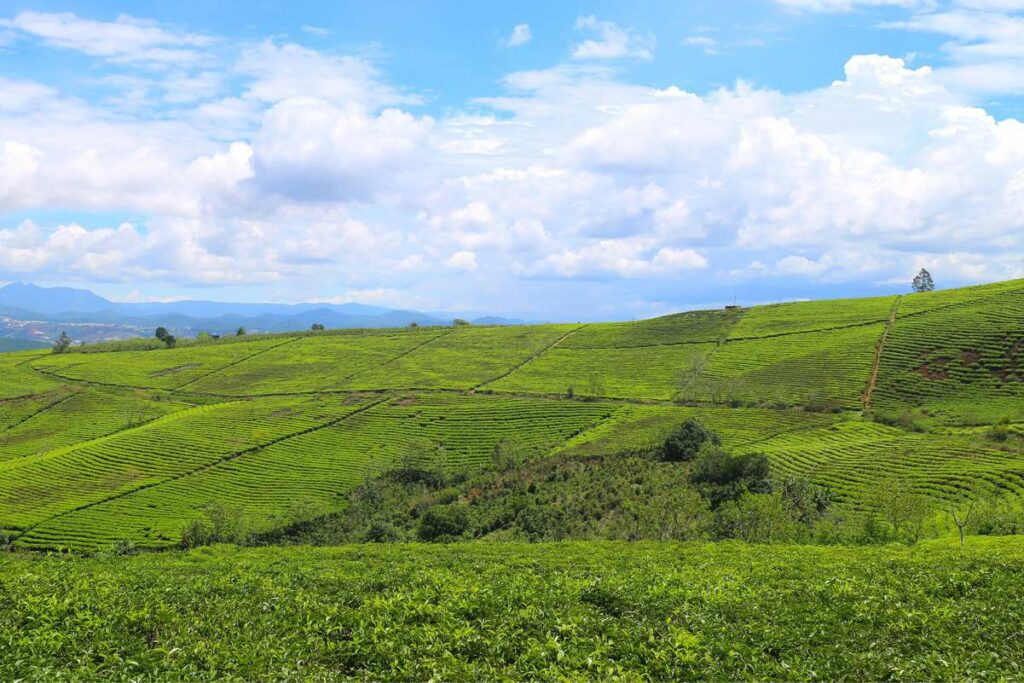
312	363
645	372
17	378
463	358
489	611
158	369
856	460
810	316
36	488
64	418
681	328
828	369
310	473
642	429
961	364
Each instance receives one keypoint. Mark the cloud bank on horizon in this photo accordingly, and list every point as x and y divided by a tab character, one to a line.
165	157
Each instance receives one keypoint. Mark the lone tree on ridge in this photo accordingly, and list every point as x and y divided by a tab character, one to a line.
923	282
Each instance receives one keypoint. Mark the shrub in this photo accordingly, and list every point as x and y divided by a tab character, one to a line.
444	523
686	440
722	477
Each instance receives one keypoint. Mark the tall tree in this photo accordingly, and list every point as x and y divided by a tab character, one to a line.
923	281
62	344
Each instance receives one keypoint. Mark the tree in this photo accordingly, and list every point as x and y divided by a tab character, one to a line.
923	281
686	440
414	324
161	333
62	344
170	340
240	332
460	321
317	327
962	516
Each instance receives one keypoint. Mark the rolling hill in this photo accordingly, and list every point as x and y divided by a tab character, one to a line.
103	447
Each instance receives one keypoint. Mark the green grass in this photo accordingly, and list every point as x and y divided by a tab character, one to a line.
578	611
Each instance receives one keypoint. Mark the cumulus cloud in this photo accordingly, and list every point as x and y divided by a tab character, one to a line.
126	39
310	149
611	41
521	35
301	168
462	260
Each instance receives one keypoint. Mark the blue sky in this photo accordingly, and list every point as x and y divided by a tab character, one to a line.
570	160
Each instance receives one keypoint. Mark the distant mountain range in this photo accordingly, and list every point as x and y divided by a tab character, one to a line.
29	313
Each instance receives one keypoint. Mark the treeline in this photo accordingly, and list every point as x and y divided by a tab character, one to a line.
692	488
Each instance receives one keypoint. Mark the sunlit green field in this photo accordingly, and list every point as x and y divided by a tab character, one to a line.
106	447
484	611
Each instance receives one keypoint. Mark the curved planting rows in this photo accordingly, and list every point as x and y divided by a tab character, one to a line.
962	364
461	359
310	473
646	372
36	488
828	368
854	459
69	418
18	380
810	316
156	369
310	363
681	328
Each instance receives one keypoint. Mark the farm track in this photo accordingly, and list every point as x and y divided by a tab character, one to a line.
530	358
879	350
220	461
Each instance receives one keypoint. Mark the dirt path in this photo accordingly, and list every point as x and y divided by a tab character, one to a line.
879	349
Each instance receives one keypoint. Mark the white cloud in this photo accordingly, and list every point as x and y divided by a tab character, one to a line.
462	260
611	41
309	149
798	265
127	39
849	5
708	44
521	35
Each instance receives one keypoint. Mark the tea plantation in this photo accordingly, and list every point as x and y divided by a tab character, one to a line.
899	409
102	448
485	611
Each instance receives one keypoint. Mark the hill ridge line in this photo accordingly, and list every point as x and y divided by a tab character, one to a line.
220	461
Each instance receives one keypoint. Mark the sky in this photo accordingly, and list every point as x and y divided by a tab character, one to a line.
557	160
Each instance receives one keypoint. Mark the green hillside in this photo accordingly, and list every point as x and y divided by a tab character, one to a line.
102	447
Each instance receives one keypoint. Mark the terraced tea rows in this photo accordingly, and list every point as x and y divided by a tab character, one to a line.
279	427
856	460
311	472
172	446
68	417
962	364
